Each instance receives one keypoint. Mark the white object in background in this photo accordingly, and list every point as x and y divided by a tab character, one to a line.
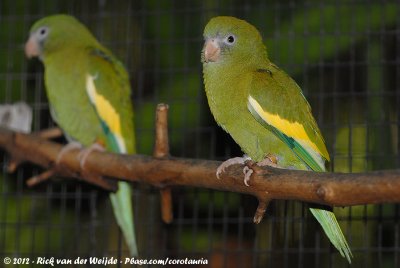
17	116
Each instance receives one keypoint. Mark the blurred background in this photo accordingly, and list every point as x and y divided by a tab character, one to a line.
344	54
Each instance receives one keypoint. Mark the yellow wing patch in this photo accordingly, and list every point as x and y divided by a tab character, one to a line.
291	129
105	111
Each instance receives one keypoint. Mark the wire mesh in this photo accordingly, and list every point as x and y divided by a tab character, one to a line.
344	54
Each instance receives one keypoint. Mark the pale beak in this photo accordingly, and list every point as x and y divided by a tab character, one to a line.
32	48
211	50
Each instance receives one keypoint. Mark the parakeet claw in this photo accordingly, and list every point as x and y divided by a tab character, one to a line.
247	174
230	162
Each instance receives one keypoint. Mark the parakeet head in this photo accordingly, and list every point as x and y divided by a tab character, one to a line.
230	39
55	32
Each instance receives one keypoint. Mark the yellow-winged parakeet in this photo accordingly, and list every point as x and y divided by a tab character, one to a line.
89	94
262	108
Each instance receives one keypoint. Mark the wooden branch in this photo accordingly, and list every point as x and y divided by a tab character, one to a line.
50	133
336	189
161	150
163	171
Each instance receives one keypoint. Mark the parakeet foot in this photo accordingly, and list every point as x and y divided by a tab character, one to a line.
86	152
269	160
70	146
230	162
93	177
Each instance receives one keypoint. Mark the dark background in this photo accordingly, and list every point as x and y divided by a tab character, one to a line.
344	54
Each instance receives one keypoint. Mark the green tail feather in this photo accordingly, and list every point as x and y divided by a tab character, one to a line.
332	229
121	202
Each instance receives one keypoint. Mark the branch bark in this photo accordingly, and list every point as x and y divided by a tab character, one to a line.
334	189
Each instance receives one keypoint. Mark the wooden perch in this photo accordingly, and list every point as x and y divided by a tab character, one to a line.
162	170
161	150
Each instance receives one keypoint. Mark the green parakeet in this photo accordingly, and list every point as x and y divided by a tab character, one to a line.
89	94
262	108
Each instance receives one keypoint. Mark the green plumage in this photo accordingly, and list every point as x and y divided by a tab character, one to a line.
262	108
71	54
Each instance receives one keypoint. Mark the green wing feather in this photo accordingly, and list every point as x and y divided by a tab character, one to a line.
286	93
111	82
300	152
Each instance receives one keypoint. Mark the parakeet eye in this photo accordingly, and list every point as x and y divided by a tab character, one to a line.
230	39
43	32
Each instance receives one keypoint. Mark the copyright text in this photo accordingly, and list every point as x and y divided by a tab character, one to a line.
104	261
